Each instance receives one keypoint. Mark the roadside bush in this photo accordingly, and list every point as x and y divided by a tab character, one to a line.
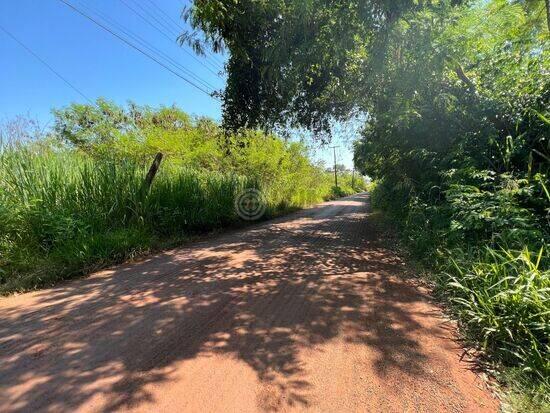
502	298
487	252
460	154
76	201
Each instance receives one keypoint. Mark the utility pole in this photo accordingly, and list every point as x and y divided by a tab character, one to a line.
335	172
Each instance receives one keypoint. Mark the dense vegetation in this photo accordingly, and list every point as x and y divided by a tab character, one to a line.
76	200
457	100
463	166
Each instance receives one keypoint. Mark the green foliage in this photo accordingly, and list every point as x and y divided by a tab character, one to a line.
76	201
503	299
72	211
294	61
487	248
351	183
282	168
495	210
458	141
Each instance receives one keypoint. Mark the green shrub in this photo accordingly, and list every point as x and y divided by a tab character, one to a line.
80	203
502	299
487	250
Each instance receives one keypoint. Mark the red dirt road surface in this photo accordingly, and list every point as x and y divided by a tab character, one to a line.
304	313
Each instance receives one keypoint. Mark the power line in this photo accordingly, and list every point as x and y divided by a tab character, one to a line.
215	60
160	12
149	46
137	48
212	54
161	24
163	33
335	171
165	14
92	103
29	50
169	20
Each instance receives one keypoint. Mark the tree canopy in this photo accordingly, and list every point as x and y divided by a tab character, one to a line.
298	62
305	62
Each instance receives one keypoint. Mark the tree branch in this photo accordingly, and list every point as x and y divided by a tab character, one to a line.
462	76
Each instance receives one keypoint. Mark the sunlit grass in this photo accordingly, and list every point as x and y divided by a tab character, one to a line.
62	213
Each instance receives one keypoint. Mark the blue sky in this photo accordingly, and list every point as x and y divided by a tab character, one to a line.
100	65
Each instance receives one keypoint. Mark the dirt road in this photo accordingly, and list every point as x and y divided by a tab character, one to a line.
307	312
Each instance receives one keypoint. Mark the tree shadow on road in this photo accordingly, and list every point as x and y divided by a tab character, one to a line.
261	296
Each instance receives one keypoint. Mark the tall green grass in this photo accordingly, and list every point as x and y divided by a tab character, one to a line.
487	253
502	298
73	199
63	213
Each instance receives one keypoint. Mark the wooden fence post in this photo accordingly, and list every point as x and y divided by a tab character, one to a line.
153	171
